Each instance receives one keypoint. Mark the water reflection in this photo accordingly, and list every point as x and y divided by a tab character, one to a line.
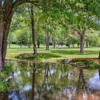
81	82
50	81
94	82
33	83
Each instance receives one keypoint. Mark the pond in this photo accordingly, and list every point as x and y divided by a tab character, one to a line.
52	81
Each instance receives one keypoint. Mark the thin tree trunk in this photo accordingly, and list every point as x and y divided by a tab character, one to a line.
86	43
54	43
38	43
73	45
62	44
33	31
47	39
9	45
78	45
21	45
29	46
69	45
82	41
89	44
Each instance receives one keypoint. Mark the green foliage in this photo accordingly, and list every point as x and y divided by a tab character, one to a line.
80	63
3	86
86	62
3	75
7	69
92	64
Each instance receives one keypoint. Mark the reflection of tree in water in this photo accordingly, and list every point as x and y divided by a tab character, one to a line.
47	81
46	72
81	82
33	83
99	73
44	87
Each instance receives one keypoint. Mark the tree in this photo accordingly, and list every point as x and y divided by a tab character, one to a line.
7	9
33	31
40	38
69	41
90	36
10	39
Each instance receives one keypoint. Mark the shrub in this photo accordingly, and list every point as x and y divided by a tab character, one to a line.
3	75
7	69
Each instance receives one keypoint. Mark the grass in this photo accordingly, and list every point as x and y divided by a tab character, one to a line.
53	54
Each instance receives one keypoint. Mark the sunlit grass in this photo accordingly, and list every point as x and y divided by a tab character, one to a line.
91	52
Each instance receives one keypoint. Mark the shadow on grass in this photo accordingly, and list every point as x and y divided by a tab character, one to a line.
37	57
74	52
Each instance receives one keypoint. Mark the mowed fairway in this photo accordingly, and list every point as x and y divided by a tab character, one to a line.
91	52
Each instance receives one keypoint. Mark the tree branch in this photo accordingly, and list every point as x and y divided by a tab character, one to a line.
17	3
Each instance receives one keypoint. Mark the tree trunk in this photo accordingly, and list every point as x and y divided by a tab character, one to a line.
62	44
21	45
4	40
69	45
82	45
54	43
78	45
33	31
9	45
99	55
38	43
73	45
47	39
1	34
89	44
86	43
6	13
82	41
29	46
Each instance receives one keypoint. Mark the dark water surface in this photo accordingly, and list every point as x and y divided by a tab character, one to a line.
53	81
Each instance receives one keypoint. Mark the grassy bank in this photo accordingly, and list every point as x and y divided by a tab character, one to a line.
54	54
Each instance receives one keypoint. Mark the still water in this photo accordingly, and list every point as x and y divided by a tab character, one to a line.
52	81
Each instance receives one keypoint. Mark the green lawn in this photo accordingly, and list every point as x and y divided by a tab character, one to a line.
91	52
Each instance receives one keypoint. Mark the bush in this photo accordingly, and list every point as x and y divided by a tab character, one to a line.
3	75
7	69
3	86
